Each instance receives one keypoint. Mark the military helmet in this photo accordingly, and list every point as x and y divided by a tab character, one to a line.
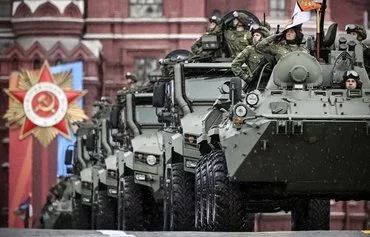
215	19
105	99
359	29
260	29
131	76
242	17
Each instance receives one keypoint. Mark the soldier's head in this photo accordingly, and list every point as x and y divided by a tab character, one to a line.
358	31
240	19
293	35
131	78
351	80
213	22
258	32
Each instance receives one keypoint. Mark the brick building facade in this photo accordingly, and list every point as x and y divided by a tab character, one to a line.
118	36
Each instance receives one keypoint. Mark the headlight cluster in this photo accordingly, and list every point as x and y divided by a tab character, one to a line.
252	99
150	159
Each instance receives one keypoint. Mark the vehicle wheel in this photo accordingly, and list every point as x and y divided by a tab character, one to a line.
63	221
120	203
229	210
180	199
201	195
81	214
198	195
132	205
311	214
104	211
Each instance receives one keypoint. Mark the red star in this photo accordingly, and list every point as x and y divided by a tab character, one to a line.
45	76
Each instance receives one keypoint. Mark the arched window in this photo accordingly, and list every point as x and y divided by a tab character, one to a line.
36	64
58	61
14	64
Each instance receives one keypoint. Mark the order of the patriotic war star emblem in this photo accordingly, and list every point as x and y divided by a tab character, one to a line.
44	104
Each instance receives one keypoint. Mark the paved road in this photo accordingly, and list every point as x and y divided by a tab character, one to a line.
5	232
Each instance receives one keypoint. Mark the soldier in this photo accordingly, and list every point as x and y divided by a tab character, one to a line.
249	55
131	79
359	32
214	28
238	37
280	44
351	80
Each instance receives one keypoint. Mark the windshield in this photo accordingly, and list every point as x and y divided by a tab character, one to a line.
146	115
204	88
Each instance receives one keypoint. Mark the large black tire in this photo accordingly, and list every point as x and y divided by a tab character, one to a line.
179	207
201	196
64	221
311	214
198	196
228	211
132	205
81	214
105	209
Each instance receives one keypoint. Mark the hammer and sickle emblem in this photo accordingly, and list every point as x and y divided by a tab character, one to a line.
43	105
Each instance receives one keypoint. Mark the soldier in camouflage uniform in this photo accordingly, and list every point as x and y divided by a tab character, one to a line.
214	28
280	44
359	32
238	37
131	80
249	55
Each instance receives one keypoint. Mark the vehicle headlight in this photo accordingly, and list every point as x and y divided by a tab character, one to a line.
252	99
151	160
240	110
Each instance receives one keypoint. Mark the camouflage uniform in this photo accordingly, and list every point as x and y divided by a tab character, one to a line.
235	40
277	49
361	35
196	48
251	58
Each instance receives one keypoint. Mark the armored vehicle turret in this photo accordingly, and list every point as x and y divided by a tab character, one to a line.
290	146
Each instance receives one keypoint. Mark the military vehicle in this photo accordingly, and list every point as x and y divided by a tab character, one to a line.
92	206
56	212
290	146
186	90
140	167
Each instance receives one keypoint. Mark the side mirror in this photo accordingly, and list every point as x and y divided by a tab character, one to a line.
90	142
225	88
68	156
114	116
70	170
159	94
235	90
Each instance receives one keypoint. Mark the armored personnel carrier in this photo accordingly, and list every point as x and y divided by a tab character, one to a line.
291	146
92	207
140	167
186	90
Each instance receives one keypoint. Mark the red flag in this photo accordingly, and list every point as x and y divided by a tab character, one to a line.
309	5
